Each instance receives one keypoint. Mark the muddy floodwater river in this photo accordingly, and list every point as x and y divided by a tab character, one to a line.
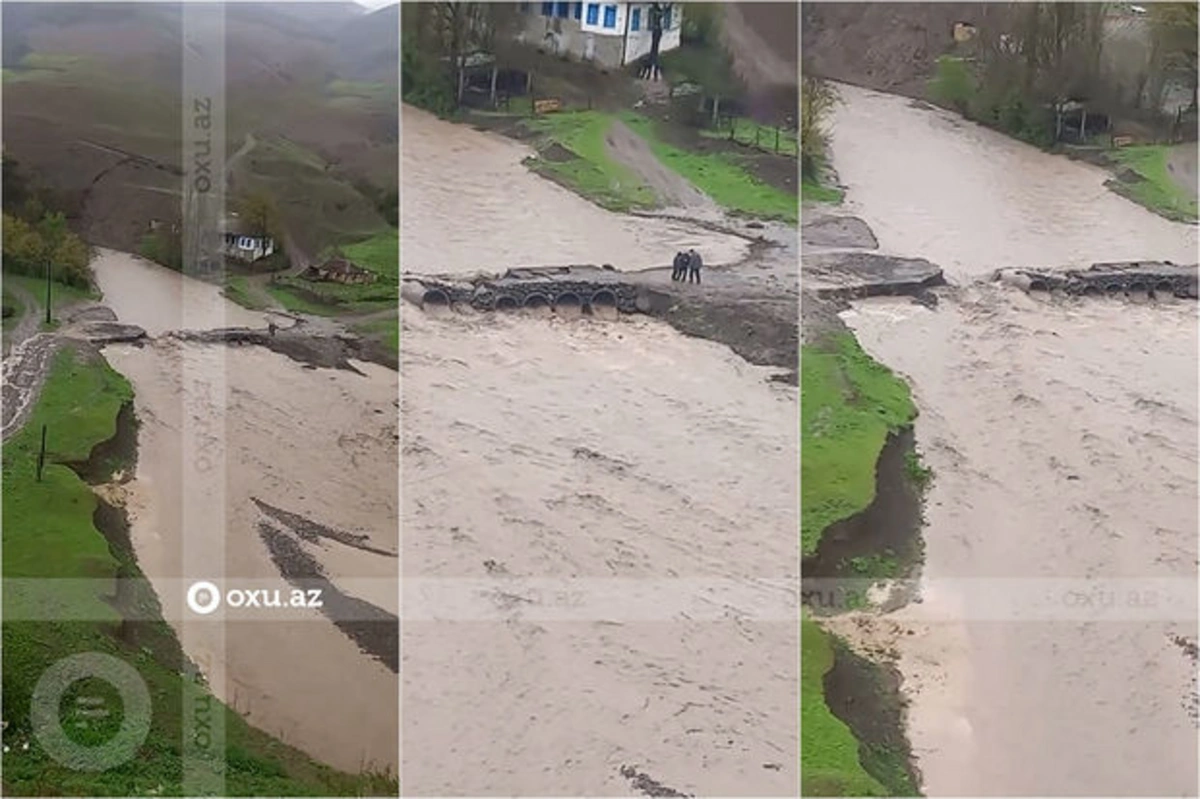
633	474
223	426
1063	437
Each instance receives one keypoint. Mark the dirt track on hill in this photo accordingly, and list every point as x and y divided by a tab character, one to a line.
673	190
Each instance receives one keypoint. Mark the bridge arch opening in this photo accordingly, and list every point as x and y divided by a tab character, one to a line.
536	301
604	299
1165	287
1113	289
1038	285
1138	287
1091	291
506	303
568	301
435	298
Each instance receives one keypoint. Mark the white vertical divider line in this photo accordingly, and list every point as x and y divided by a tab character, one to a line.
204	391
400	420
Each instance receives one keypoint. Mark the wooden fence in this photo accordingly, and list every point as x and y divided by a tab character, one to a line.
776	139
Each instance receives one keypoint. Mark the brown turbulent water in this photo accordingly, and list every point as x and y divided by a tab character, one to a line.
318	443
616	455
1063	436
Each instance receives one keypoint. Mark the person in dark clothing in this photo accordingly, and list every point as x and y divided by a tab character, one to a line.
271	328
693	266
679	268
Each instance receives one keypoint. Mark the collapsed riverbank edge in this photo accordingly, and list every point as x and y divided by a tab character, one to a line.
254	763
880	541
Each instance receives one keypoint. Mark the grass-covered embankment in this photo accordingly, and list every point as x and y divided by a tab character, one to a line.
572	152
812	191
851	407
380	254
59	538
829	752
720	175
849	404
1156	190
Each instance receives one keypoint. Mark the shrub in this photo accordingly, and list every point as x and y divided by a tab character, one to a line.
953	84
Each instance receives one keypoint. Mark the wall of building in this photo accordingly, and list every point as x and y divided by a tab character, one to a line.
638	43
595	42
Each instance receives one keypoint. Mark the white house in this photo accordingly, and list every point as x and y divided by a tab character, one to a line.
237	242
610	34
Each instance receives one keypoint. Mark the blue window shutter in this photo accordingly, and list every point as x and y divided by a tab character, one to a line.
593	14
547	9
610	16
578	10
635	22
562	9
667	18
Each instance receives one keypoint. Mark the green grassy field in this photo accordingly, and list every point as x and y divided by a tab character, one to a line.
61	296
592	174
386	330
237	289
849	403
813	192
49	533
720	176
1157	191
829	752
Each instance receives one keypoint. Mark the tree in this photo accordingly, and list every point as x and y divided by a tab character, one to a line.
438	38
1173	33
258	212
15	186
817	99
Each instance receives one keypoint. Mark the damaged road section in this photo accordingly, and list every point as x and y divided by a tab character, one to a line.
1151	278
314	351
756	318
858	275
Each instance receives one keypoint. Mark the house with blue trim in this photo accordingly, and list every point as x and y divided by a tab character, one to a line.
609	34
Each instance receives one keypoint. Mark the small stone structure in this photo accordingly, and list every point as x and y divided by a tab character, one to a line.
339	270
582	287
1125	277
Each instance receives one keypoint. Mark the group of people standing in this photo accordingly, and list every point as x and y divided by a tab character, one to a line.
687	266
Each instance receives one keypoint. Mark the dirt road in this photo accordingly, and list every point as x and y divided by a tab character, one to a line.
1181	164
672	189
